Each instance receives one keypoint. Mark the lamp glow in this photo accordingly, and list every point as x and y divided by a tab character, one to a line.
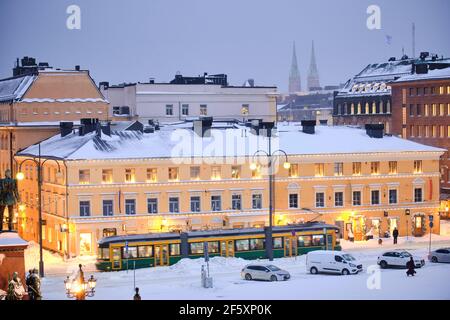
20	176
253	166
286	165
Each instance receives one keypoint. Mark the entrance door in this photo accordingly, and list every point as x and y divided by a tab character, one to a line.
418	225
116	258
161	255
227	248
85	244
393	223
290	246
340	225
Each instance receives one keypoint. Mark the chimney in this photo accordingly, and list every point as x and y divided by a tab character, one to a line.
87	125
151	80
77	68
104	84
202	127
65	128
308	126
375	130
106	128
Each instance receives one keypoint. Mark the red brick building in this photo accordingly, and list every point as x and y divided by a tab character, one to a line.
421	112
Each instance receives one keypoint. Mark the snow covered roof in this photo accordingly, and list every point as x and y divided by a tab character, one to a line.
15	88
432	74
10	239
180	141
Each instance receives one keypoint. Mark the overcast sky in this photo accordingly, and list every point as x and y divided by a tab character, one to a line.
136	39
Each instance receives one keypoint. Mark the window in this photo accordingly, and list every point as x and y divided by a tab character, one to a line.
203	110
108	207
375	197
196	248
375	167
339	199
152	175
434	109
85	208
318	240
145	251
109	232
320	200
277	243
174	249
411	110
319	169
130	176
236	172
173	174
442	109
418	195
427	110
257	172
356	168
129	252
174	205
256	244
152	205
417	166
419	110
236	202
130	206
242	245
104	252
185	109
84	176
441	90
195	204
392	167
356	198
215	172
425	91
257	201
107	176
213	246
293	170
392	196
245	109
304	241
195	173
433	90
216	203
338	168
169	109
293	200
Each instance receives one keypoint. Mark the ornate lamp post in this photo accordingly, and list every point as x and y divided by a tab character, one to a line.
20	176
253	166
79	288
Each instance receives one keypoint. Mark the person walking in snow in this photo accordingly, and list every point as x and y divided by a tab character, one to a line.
395	235
28	283
410	265
137	296
35	285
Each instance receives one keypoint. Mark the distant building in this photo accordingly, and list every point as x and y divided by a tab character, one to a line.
314	106
186	98
313	73
295	82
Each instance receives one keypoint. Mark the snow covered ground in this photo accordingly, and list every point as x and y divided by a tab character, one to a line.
182	280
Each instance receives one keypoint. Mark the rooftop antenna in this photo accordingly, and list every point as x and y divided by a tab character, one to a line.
403	51
413	40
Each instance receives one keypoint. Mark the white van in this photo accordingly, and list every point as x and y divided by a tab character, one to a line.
332	262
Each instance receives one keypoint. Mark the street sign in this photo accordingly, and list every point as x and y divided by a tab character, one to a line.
430	217
431	224
205	251
293	233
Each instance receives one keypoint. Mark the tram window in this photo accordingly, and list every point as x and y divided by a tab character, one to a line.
213	247
242	245
197	248
277	243
304	241
132	253
318	240
174	249
256	244
104	253
145	251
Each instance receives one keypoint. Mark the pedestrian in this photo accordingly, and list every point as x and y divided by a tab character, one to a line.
137	296
410	265
395	235
35	285
28	283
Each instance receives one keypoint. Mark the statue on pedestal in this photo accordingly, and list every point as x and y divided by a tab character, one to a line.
9	196
16	291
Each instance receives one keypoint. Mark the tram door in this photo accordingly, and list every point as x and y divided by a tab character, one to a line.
116	258
227	248
161	255
290	246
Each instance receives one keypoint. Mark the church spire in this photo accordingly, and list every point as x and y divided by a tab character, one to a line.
295	84
313	73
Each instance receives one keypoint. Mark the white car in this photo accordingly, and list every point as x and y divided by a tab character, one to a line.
327	261
267	272
398	259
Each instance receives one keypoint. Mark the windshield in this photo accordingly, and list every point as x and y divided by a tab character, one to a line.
406	254
348	257
273	268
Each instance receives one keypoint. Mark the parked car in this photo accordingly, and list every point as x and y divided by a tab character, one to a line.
397	259
267	272
326	261
440	255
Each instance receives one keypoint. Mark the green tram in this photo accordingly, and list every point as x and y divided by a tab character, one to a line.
163	249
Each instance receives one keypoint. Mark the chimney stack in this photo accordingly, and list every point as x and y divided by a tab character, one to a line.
308	126
375	130
202	126
65	128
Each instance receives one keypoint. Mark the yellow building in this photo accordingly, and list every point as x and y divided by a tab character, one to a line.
184	177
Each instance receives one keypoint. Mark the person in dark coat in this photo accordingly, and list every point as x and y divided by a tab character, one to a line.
410	265
395	235
137	296
28	283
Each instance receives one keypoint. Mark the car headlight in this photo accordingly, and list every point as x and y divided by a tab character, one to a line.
352	265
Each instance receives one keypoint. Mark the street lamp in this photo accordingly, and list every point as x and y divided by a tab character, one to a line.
407	214
253	166
20	176
79	288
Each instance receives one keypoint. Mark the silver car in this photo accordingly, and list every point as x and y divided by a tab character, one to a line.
440	255
267	272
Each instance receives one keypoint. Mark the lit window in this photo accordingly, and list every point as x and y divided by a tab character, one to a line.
130	175
293	170
203	110
215	173
375	167
245	109
257	172
417	166
319	169
236	172
357	168
107	176
392	167
338	168
152	175
173	174
84	176
427	110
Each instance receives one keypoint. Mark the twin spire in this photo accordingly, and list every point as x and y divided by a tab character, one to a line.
313	82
